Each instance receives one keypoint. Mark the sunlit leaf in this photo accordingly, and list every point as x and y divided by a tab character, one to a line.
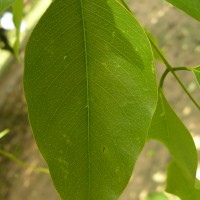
191	7
5	4
3	133
167	128
91	91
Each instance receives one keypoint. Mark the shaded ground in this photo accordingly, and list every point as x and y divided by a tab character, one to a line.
179	36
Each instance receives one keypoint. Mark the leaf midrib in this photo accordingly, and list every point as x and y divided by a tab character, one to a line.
87	80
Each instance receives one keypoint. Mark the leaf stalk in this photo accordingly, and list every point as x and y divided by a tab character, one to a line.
22	163
172	70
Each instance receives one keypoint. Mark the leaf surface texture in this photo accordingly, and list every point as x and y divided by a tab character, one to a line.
91	91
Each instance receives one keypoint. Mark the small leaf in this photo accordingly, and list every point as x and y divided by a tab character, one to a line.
191	7
179	183
196	72
156	196
91	90
5	4
3	133
17	18
167	128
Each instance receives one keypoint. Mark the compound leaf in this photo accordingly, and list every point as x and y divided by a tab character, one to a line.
91	90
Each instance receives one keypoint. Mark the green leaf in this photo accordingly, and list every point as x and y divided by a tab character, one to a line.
17	18
3	133
91	90
179	184
155	42
191	7
156	196
167	128
5	4
196	72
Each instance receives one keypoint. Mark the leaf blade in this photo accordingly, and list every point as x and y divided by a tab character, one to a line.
167	128
179	185
84	82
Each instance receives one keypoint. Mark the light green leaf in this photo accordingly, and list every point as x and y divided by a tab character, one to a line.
196	72
191	7
91	91
167	128
3	133
178	183
17	18
5	4
155	42
156	196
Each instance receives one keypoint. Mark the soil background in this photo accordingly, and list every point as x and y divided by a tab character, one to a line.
179	37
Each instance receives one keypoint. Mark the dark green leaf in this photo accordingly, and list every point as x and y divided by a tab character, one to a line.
91	91
191	7
179	183
167	128
196	72
17	18
5	4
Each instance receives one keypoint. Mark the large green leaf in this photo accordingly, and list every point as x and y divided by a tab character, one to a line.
191	7
179	184
5	4
196	72
91	91
167	128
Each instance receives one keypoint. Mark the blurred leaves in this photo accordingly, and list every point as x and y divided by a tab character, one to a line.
3	133
156	196
5	4
17	18
4	43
